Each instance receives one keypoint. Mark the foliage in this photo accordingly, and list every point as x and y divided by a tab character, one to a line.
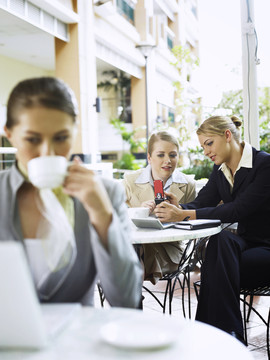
115	81
121	85
129	136
183	55
185	62
201	171
202	166
233	100
265	136
128	160
264	115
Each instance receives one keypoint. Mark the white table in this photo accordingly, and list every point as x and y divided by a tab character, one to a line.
150	236
142	236
82	340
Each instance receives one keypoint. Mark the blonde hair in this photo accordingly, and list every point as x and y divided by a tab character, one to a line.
217	125
164	136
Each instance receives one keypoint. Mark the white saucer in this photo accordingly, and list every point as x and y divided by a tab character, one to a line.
142	332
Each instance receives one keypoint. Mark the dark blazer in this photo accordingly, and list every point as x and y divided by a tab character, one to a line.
248	204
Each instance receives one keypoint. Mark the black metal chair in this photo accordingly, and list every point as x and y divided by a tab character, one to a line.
248	307
101	294
192	247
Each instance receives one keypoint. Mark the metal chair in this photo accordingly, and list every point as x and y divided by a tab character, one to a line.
248	307
101	294
192	247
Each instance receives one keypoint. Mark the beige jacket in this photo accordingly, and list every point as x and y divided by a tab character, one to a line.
138	193
158	259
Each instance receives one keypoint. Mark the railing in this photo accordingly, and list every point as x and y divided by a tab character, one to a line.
7	157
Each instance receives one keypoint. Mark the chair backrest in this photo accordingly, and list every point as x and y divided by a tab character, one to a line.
103	169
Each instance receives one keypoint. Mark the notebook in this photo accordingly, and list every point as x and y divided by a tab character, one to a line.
24	322
154	223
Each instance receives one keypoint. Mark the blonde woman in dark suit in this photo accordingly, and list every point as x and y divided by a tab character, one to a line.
240	179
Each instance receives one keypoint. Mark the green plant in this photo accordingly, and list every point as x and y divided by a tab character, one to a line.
184	105
129	136
265	136
121	84
201	165
201	171
128	160
233	101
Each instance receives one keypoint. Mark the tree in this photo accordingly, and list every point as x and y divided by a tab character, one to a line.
233	101
185	62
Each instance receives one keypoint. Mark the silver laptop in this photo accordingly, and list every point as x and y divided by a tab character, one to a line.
24	322
151	222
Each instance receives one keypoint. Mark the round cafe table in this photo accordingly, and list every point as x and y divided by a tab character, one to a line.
118	333
151	236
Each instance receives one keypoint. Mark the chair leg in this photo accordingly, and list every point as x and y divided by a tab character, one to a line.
189	300
196	287
155	297
168	288
245	304
250	307
186	283
267	335
170	296
101	295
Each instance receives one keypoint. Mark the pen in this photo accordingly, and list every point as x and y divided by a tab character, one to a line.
186	218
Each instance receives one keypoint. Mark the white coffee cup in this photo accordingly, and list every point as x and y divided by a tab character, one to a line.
47	171
138	212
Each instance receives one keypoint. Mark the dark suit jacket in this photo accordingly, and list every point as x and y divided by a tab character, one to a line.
248	204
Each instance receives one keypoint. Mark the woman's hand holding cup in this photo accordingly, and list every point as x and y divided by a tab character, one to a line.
83	184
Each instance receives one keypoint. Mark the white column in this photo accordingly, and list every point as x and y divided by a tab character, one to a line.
151	90
250	97
88	79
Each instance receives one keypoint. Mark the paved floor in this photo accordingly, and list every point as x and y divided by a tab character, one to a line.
256	329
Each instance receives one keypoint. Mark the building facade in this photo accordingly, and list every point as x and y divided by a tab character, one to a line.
93	43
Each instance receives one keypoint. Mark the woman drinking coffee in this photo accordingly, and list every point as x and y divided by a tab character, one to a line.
77	232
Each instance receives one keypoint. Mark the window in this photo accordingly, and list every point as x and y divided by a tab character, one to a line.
171	117
127	11
169	42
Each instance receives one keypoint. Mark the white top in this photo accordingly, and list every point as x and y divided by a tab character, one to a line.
85	338
245	161
146	177
36	258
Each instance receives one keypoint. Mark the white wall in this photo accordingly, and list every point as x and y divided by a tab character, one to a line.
11	72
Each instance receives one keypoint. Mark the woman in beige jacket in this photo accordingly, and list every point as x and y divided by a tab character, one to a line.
163	156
